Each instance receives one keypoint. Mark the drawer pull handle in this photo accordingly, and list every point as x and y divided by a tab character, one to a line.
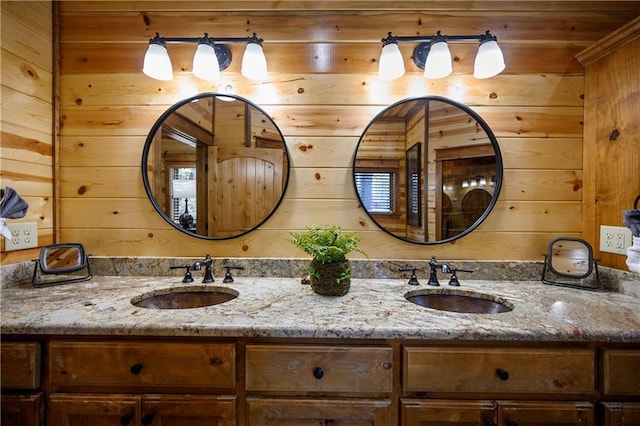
136	369
126	419
387	366
147	419
502	374
318	373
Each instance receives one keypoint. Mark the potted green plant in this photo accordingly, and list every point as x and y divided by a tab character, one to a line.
329	270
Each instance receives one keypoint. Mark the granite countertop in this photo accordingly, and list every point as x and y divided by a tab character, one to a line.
283	307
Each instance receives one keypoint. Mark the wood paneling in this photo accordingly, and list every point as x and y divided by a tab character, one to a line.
322	91
611	164
26	139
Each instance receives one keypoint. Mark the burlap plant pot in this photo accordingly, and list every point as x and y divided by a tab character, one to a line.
324	278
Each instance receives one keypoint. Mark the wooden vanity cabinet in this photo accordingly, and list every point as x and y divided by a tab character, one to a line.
513	386
22	404
142	383
310	384
620	380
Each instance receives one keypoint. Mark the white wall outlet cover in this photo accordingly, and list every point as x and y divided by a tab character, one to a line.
24	235
615	239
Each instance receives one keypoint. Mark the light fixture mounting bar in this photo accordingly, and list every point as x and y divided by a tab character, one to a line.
212	40
438	35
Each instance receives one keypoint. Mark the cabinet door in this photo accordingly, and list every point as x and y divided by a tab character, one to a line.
523	413
22	410
314	412
621	372
189	410
20	365
94	410
416	412
621	413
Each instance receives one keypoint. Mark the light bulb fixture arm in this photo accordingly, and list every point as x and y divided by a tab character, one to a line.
439	37
205	39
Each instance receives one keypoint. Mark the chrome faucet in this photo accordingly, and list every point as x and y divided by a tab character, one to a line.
197	266
434	266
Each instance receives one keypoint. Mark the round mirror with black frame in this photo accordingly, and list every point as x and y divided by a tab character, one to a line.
215	166
427	170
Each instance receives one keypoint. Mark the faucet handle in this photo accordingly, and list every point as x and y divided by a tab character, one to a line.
188	278
228	278
413	280
454	278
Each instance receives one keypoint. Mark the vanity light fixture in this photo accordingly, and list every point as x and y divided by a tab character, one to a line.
212	56
433	56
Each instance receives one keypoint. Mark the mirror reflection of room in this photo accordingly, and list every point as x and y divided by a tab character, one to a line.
219	166
426	170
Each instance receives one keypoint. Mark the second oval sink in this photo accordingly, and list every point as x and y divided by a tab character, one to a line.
471	303
185	297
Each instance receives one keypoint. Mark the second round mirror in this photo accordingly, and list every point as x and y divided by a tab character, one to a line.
427	170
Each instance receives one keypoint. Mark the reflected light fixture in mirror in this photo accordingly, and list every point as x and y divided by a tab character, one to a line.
432	54
212	56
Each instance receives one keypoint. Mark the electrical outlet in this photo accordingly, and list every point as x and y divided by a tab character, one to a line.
24	235
615	239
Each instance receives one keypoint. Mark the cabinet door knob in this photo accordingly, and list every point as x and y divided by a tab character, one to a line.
490	423
147	419
511	423
318	373
126	419
502	374
136	368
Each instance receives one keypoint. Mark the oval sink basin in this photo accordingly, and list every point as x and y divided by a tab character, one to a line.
456	301
185	297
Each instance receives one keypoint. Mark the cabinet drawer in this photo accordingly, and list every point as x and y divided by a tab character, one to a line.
137	366
621	372
319	369
541	371
20	365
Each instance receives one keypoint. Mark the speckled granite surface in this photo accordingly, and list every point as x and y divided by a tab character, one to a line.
282	307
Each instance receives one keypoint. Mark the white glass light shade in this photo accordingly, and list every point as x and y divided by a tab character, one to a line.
438	63
489	60
254	63
205	63
391	62
157	63
183	188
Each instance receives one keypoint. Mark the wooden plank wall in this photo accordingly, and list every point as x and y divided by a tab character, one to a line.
612	91
322	91
26	122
